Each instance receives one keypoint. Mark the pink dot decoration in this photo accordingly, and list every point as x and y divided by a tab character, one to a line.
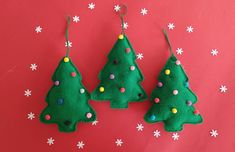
157	100
132	68
88	115
122	90
47	117
175	92
128	50
57	83
111	76
159	84
73	74
196	112
177	62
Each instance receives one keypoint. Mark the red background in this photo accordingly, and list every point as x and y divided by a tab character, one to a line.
92	39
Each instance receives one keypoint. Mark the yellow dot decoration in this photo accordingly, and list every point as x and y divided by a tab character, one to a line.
167	71
101	89
66	59
174	110
120	37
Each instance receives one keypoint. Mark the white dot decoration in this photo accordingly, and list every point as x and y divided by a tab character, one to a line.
132	68
82	90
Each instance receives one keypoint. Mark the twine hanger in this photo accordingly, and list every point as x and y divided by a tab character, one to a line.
122	13
168	41
67	36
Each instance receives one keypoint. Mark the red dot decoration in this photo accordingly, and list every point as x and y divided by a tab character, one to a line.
73	74
156	100
47	117
128	50
196	112
122	90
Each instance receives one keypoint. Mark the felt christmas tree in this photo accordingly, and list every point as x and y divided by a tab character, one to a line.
67	99
173	101
120	77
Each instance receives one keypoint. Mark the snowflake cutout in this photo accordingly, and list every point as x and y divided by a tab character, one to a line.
214	133
94	123
117	8
27	93
214	52
140	56
38	29
223	88
33	66
50	141
80	145
125	25
179	51
91	6
119	142
76	19
175	136
69	44
31	116
171	26
140	127
144	11
156	133
189	29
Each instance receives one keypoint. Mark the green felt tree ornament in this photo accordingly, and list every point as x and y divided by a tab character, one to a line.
67	99
120	77
173	101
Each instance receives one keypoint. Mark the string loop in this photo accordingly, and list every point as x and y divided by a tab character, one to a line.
168	41
122	13
67	36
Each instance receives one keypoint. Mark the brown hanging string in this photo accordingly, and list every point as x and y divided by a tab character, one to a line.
168	41
67	36
122	13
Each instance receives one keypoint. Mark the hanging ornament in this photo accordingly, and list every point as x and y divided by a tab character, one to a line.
173	101
120	78
67	99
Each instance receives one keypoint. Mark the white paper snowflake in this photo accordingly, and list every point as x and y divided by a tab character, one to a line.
214	52
33	66
140	56
117	8
175	136
144	11
140	127
50	141
125	25
27	93
91	6
171	26
223	88
119	142
189	29
95	122
76	19
156	133
80	145
179	51
68	44
38	29
214	133
31	116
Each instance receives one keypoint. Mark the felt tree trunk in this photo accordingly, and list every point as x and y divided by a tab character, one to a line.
67	99
120	77
173	101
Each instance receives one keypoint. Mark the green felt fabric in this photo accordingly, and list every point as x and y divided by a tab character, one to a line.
161	111
75	104
119	62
